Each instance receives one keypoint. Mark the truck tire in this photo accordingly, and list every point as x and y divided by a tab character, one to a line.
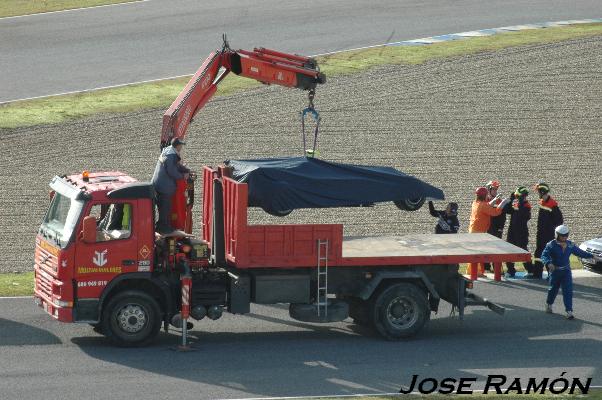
410	204
278	213
400	311
131	319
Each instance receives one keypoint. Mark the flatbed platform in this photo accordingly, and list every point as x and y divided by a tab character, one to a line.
421	249
429	245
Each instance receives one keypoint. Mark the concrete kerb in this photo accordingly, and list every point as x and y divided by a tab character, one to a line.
489	32
469	34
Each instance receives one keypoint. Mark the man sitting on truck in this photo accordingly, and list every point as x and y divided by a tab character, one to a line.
167	171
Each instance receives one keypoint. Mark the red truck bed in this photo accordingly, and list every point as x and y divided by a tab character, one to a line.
292	246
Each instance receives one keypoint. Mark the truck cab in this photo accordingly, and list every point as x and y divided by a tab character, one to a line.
98	226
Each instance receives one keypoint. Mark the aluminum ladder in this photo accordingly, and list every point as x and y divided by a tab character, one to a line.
322	287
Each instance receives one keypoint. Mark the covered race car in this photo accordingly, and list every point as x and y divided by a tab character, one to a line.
280	185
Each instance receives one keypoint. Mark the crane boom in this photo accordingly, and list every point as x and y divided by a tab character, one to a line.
264	65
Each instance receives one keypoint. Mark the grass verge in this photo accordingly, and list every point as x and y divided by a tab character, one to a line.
16	284
57	109
11	8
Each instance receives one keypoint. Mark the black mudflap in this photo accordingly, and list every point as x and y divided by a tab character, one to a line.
337	311
465	299
474	300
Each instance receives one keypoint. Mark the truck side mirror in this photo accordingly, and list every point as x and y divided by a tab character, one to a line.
89	229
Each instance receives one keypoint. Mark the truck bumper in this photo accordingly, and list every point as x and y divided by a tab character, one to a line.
63	314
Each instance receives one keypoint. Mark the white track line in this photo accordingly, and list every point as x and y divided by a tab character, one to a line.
97	88
74	9
16	297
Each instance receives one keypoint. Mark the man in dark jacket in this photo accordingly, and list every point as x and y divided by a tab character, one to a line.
518	231
167	172
548	219
448	219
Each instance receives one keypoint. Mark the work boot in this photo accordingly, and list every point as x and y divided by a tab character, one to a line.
569	315
549	308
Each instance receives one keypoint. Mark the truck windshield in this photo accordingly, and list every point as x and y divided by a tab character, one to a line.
61	218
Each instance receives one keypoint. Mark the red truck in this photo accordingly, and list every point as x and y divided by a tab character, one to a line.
99	261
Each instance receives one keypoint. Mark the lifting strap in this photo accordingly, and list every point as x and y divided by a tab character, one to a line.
316	116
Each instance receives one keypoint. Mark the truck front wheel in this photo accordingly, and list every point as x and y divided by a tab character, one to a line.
400	311
410	204
131	318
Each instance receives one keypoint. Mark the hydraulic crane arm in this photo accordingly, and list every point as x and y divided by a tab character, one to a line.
266	66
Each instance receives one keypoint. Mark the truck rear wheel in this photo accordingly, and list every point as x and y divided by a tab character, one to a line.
400	311
131	319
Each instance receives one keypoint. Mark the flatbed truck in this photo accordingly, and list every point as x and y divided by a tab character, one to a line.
127	282
98	259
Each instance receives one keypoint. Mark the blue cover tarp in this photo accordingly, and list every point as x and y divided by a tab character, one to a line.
281	184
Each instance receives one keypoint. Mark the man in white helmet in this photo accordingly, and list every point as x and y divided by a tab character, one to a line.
555	257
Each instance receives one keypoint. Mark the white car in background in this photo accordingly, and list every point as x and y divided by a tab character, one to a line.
593	246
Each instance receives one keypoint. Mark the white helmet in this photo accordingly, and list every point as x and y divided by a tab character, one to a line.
562	230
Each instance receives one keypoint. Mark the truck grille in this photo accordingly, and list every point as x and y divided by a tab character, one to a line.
43	284
46	260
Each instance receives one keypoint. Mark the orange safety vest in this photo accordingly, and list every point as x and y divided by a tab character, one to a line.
480	216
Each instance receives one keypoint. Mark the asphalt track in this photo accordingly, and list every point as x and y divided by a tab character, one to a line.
267	354
89	48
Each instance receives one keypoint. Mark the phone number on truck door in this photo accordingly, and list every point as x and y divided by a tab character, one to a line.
92	283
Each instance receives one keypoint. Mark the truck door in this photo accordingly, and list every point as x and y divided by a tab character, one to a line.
115	251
